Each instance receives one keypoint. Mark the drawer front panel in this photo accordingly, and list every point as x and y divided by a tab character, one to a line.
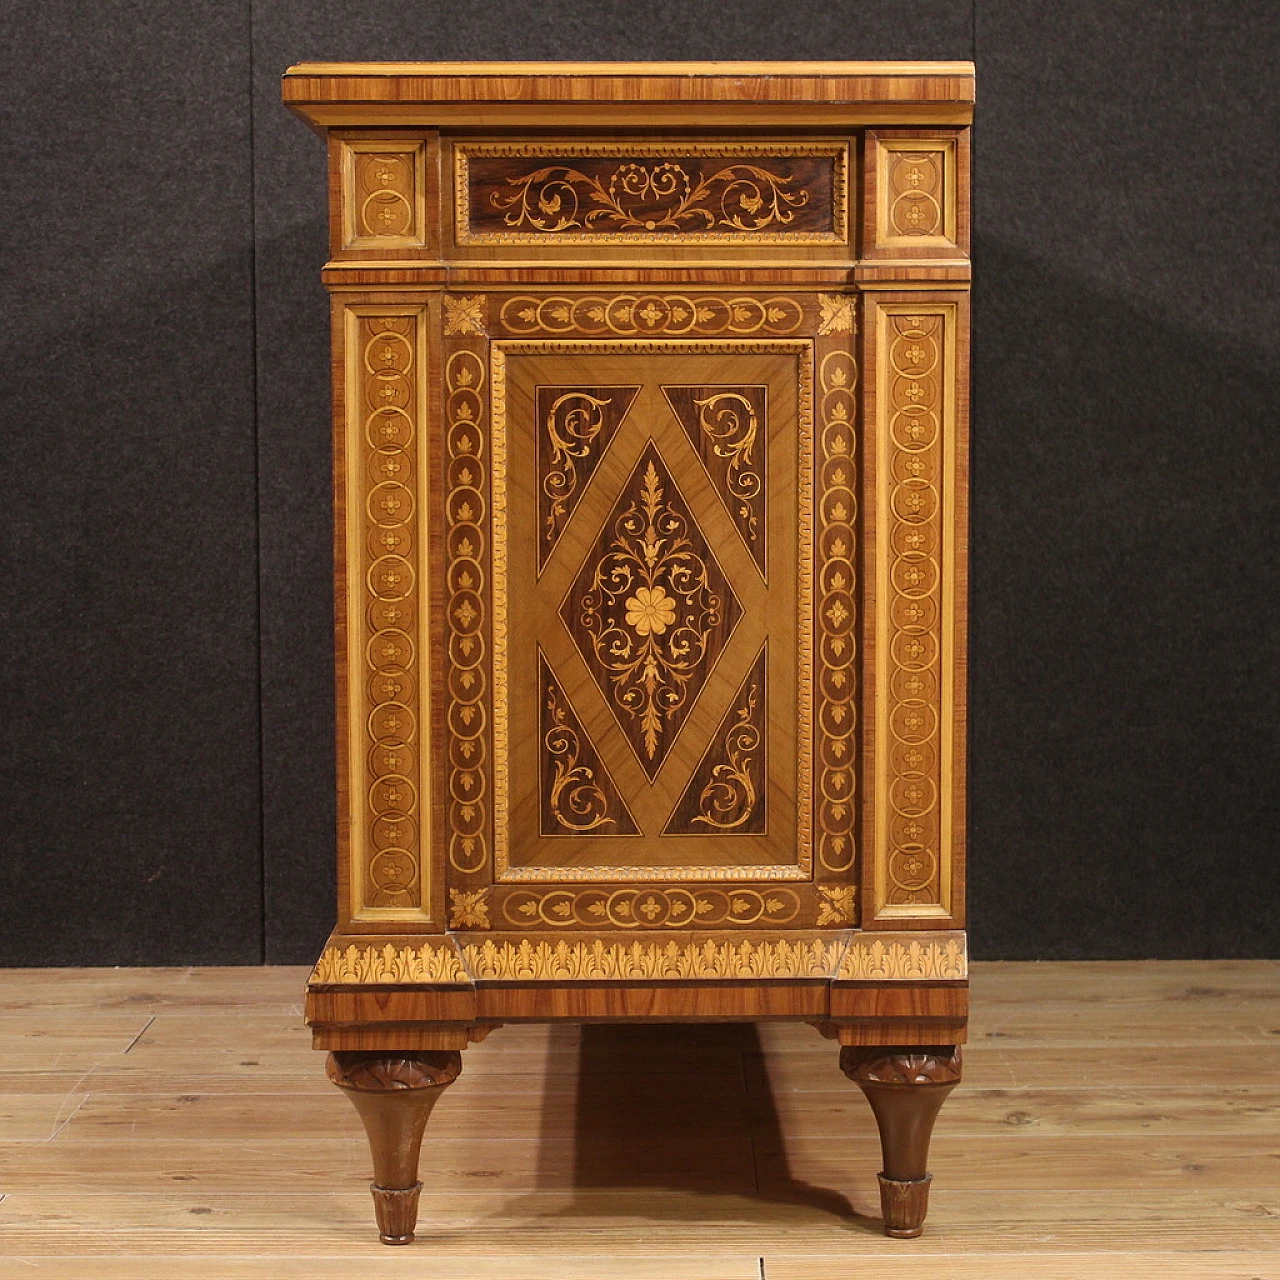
638	193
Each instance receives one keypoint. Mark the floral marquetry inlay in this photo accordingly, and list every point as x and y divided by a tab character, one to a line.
650	610
385	445
835	613
667	314
698	192
916	200
466	611
653	907
915	192
912	740
382	194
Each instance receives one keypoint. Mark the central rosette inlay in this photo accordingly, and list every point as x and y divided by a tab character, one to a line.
650	610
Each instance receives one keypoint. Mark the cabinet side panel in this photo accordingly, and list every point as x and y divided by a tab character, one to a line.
914	820
384	668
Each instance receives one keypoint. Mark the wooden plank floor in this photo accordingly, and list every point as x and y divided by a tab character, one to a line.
1116	1120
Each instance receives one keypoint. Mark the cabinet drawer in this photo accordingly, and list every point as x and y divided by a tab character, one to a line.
645	194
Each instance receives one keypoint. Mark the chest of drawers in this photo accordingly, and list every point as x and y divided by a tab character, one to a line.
650	419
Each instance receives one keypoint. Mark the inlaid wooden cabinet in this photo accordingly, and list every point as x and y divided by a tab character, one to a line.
650	388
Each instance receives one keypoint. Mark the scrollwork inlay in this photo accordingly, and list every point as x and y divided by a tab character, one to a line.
650	610
708	193
650	197
578	795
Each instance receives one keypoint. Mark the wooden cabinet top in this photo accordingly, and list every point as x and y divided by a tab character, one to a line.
718	94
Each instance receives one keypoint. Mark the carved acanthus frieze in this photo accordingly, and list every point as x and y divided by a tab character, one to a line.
941	958
432	962
530	961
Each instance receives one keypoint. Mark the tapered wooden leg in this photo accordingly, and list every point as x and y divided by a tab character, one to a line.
394	1094
906	1089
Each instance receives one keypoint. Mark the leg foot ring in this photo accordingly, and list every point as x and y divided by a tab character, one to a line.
396	1211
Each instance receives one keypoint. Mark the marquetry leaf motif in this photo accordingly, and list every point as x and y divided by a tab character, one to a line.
464	315
653	907
650	610
837	313
651	314
528	961
835	904
726	794
729	429
468	908
389	964
573	427
577	795
469	693
937	959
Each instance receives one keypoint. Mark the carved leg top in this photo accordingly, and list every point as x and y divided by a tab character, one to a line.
374	1069
927	1064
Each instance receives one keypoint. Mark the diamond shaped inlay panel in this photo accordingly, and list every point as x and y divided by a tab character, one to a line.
650	610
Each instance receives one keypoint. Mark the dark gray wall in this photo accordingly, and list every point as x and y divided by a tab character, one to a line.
165	744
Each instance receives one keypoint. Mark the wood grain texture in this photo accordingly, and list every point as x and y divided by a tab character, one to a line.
743	93
699	1150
